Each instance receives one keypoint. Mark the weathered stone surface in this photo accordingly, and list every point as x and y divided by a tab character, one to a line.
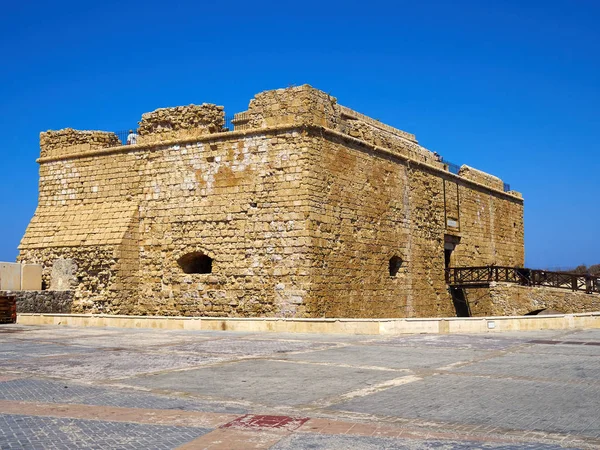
503	299
181	122
301	214
54	144
63	276
480	177
50	302
31	277
10	276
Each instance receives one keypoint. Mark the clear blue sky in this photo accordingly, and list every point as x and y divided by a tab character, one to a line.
510	87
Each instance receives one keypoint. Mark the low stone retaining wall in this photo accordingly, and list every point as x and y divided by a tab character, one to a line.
514	300
58	302
342	326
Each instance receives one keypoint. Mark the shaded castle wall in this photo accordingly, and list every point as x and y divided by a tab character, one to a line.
87	208
376	194
366	209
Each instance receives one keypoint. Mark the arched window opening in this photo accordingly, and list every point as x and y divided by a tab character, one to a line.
395	264
195	262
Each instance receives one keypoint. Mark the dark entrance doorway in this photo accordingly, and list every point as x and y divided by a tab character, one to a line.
450	243
447	254
460	302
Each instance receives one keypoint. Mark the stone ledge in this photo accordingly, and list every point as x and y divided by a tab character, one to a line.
228	135
334	326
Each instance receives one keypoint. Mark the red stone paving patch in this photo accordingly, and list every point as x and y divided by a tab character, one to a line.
263	422
117	414
9	378
234	439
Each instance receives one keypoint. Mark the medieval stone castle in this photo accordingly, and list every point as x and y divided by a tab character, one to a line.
306	209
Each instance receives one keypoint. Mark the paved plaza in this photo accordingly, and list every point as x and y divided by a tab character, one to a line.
113	388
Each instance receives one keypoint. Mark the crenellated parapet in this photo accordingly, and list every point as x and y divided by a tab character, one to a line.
66	142
305	105
181	122
298	106
301	105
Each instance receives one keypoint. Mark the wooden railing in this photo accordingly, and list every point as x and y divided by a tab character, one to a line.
473	276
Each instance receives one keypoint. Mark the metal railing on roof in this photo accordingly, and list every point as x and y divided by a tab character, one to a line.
452	168
123	134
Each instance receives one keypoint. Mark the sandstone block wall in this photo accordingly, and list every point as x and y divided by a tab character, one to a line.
490	228
304	105
300	105
49	302
304	211
504	299
181	122
469	173
55	144
239	201
367	209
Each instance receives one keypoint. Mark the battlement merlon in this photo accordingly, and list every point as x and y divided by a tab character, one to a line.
163	124
181	122
305	105
69	141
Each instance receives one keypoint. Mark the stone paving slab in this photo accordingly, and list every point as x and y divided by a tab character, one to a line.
37	333
391	357
70	392
266	382
246	347
557	349
33	433
106	365
578	335
128	341
315	337
235	440
453	341
571	367
514	404
492	390
342	442
15	350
